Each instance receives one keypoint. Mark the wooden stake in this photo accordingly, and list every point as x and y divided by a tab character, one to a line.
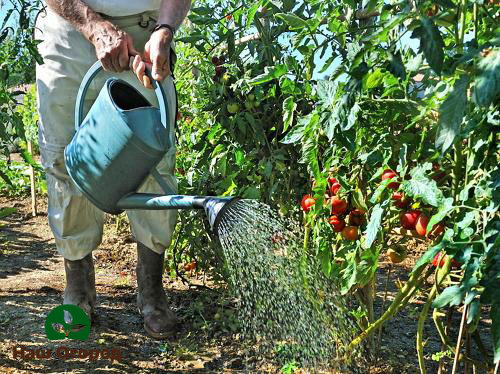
32	182
459	340
467	350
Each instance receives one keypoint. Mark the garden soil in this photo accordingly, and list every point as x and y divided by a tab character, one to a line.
32	283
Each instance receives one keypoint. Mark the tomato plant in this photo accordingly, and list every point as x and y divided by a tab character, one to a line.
18	54
392	109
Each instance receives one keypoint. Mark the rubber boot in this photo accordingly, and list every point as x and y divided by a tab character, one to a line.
159	321
80	284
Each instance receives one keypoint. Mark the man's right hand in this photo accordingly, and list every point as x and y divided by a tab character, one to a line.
113	46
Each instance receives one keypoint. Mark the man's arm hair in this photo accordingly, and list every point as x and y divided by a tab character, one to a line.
78	13
173	12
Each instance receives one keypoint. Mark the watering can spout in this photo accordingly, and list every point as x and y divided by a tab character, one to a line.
215	208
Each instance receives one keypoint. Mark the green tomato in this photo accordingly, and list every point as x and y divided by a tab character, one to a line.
248	105
251	97
233	108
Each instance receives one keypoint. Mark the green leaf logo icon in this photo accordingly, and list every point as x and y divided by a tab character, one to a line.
67	321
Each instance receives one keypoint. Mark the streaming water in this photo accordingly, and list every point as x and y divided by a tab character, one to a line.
285	303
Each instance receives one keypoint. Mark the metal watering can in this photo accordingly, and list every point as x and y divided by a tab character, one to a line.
119	143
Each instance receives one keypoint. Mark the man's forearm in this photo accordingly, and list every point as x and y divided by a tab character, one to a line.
173	12
78	13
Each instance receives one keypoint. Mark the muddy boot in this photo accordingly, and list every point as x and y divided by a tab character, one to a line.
159	321
80	284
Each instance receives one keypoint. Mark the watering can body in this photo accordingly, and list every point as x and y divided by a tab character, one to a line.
122	138
119	143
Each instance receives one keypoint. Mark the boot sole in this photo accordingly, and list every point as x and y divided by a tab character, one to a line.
158	335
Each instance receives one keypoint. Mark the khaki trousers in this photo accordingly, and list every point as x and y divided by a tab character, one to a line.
76	223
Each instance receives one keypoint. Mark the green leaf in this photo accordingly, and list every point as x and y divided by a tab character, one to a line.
193	38
239	156
452	295
451	114
431	43
325	258
295	23
5	212
487	82
373	80
269	74
396	66
421	187
289	107
310	154
444	209
468	219
373	225
326	91
380	189
251	13
352	117
298	131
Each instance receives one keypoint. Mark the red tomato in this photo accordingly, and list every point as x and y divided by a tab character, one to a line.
334	185
339	206
409	219
389	174
399	200
337	223
350	232
307	202
332	180
335	188
356	217
421	225
441	257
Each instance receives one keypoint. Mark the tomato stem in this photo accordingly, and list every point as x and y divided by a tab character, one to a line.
392	310
441	274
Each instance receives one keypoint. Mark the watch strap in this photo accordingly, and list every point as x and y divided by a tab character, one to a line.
164	26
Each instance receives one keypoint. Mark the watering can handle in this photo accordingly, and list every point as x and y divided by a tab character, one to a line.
90	75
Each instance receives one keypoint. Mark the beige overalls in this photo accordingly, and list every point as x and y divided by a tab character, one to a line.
76	223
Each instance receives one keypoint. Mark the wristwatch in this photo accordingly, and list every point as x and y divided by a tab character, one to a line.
164	26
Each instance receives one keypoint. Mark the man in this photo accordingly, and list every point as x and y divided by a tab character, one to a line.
74	34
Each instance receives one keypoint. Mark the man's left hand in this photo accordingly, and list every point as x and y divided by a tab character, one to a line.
156	58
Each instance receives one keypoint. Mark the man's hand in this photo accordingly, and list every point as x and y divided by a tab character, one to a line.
113	46
156	58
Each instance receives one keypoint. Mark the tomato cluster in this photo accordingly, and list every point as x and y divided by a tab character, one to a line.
410	219
343	218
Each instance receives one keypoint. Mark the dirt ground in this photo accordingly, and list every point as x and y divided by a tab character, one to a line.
32	283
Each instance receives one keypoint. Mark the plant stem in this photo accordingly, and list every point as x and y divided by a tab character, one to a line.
389	313
420	329
463	17
440	276
459	340
457	170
